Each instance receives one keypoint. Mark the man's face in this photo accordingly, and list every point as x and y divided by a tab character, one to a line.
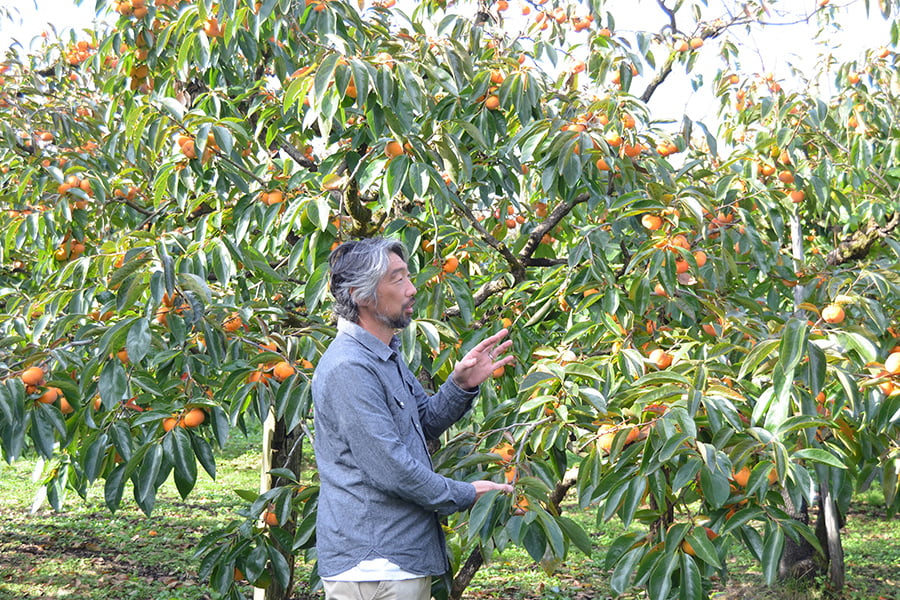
396	295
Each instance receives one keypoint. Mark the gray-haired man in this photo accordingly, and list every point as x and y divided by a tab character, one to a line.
378	531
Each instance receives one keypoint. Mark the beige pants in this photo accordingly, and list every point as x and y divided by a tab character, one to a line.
407	589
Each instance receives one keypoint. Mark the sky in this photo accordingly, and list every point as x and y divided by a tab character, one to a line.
34	16
769	50
776	48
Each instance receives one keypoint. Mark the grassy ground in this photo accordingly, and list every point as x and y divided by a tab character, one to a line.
85	553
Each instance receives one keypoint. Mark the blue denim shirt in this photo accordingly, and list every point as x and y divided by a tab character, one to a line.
380	496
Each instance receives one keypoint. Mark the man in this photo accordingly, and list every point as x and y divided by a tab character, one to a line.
378	533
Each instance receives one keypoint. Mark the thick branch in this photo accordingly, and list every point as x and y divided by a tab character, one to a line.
858	245
514	264
476	560
658	79
547	262
707	31
559	493
547	225
833	543
298	157
874	174
523	260
466	573
670	13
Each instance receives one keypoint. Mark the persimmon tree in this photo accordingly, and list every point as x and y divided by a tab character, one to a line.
703	313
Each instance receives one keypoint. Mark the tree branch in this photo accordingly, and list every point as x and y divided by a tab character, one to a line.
707	31
519	263
466	573
298	157
547	225
858	245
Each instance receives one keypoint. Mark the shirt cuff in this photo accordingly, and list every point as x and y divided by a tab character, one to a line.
471	393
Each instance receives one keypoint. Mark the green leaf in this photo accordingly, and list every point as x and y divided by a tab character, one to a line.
112	338
192	283
280	566
93	457
618	548
660	581
703	547
867	351
304	535
255	562
690	582
757	355
816	369
633	498
173	107
554	534
621	576
534	540
772	550
203	452
138	341
316	286
464	299
820	456
479	513
184	461
419	178
145	483
715	487
394	180
793	343
113	383
222	575
576	534
128	268
43	423
114	487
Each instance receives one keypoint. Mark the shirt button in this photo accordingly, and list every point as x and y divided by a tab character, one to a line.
402	405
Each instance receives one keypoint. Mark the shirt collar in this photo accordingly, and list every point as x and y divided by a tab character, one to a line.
369	341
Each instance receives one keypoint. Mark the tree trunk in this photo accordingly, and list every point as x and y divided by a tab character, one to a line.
265	481
476	560
798	561
829	535
462	579
281	449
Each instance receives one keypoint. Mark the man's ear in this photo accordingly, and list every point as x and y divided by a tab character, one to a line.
361	302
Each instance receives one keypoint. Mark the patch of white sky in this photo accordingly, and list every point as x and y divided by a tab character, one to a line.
793	42
792	46
23	21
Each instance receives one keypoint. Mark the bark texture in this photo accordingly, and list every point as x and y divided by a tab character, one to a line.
798	561
286	453
858	245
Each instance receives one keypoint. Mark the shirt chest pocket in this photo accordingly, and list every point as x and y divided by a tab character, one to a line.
406	417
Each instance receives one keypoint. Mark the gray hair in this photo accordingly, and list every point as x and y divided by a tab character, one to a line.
356	269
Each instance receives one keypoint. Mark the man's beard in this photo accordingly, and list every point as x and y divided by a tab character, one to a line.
398	322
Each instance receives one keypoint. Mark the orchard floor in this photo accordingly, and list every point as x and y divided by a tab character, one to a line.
89	554
86	553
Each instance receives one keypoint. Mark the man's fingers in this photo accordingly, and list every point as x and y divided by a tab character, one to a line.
493	339
502	348
496	355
